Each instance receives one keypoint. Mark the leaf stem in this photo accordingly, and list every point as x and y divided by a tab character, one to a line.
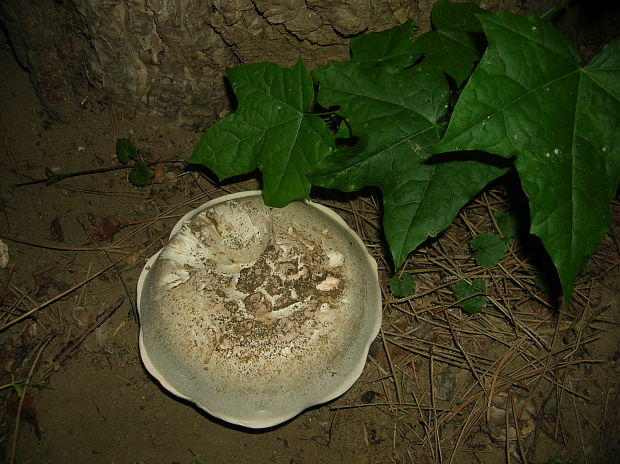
59	177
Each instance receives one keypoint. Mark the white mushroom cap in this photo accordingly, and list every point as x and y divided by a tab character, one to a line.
257	313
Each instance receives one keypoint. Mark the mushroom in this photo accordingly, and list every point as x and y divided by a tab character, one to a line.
257	313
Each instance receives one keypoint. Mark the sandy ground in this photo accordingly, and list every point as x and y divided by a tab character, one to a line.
90	400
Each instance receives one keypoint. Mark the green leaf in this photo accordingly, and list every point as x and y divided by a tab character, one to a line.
402	286
456	43
531	99
344	131
489	248
125	150
460	16
391	47
507	224
395	115
463	290
269	131
141	175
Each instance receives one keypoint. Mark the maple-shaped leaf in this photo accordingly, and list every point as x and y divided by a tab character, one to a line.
531	99
268	131
395	114
456	42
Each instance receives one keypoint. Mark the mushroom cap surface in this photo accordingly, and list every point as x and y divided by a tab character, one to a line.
257	313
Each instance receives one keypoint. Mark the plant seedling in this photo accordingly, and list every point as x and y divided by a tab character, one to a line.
141	175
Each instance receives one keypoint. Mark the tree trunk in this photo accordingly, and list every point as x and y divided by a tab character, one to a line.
169	56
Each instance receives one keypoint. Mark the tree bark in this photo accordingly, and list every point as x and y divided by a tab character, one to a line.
169	57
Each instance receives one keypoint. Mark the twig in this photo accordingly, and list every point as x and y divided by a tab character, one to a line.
539	341
23	396
391	404
578	422
74	344
389	359
507	433
433	419
516	417
62	294
468	359
600	443
53	246
550	14
10	152
118	272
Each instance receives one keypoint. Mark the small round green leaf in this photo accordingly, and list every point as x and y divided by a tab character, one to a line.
141	175
489	248
463	291
402	286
